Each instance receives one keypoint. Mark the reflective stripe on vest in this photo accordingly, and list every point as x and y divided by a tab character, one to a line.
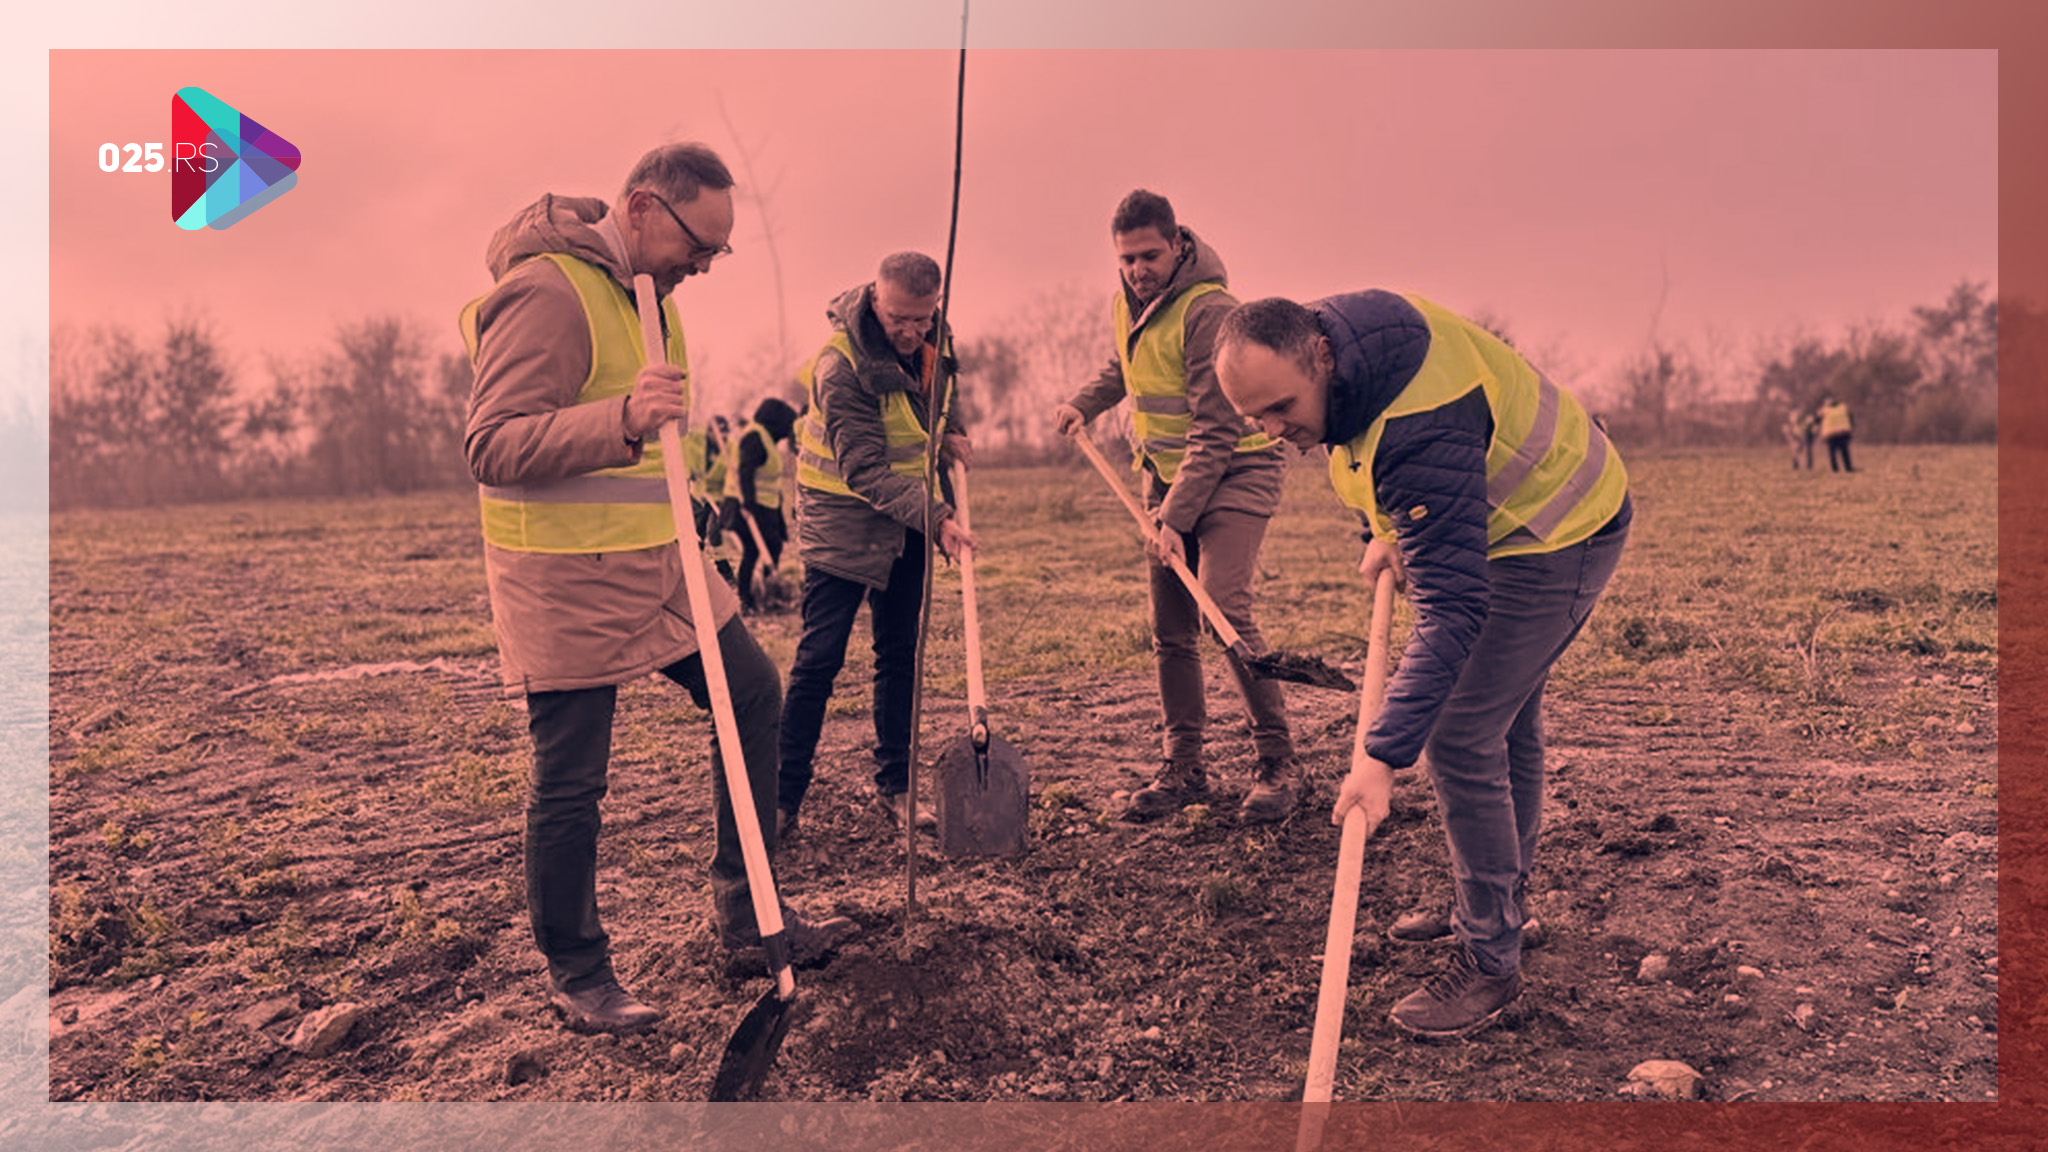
1552	478
816	465
1156	375
611	509
767	478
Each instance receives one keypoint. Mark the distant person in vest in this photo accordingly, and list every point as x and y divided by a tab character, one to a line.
707	479
1835	430
580	550
1213	482
1503	509
862	502
1800	428
753	490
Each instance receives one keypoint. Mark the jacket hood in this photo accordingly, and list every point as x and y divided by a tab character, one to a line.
876	360
1379	341
565	224
1201	263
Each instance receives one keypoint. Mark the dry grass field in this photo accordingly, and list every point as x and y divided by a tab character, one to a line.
283	781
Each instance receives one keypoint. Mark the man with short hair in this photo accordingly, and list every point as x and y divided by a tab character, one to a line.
1213	483
1504	508
580	546
864	500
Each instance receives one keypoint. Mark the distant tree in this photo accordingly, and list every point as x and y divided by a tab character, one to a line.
1062	340
192	410
1656	384
383	415
993	400
135	424
1957	346
272	437
1877	376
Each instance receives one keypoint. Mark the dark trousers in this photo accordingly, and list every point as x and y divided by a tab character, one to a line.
773	533
1838	454
572	741
1486	750
829	607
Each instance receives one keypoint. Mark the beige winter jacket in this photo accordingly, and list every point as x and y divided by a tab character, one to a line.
565	621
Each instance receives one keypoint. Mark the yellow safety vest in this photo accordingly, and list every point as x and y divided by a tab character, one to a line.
703	480
767	478
1552	478
1156	376
816	465
611	509
1834	419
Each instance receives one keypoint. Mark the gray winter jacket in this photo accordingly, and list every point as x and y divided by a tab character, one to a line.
859	537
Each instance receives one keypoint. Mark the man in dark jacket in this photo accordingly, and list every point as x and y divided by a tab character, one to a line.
864	501
1504	509
1213	483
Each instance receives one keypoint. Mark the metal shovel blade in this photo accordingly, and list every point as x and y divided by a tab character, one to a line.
1296	668
751	1051
984	798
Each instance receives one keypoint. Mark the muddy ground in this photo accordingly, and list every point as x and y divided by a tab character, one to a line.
237	846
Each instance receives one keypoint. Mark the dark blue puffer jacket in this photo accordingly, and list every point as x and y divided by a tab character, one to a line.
1430	476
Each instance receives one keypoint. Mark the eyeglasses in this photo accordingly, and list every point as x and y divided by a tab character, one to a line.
699	250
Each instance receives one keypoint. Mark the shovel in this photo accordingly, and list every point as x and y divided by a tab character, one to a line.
1322	1049
984	784
1295	667
759	1035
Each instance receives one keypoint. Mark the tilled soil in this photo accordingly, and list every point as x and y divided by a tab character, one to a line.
1819	921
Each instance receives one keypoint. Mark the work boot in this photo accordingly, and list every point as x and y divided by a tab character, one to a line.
1457	1000
810	942
896	806
605	1007
1176	784
1428	925
1277	786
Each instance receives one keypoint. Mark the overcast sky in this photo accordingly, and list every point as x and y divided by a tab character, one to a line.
1582	197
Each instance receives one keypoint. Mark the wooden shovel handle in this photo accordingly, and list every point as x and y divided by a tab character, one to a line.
1210	611
977	692
1329	1029
760	879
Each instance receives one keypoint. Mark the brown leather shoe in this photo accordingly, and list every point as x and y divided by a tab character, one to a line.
810	942
605	1007
1174	786
896	804
1428	925
1277	787
1457	1000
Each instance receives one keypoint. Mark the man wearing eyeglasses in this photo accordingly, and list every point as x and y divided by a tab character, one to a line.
864	501
580	550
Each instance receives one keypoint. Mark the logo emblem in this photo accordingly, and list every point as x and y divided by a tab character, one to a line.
224	165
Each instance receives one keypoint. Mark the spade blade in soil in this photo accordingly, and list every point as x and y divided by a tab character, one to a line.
1298	668
752	1049
984	798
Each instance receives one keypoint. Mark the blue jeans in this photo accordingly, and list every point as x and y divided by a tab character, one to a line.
829	607
572	743
1486	751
